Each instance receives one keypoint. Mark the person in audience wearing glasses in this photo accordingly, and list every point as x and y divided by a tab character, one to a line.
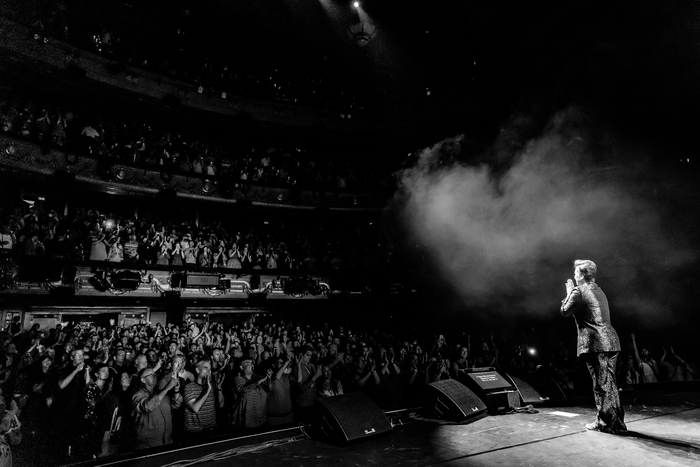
598	344
153	410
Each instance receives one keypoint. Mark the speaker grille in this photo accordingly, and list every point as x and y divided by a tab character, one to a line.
349	417
539	389
451	400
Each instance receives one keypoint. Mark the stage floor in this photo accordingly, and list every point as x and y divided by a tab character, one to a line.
664	430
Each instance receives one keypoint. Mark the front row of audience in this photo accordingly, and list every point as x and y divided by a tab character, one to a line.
85	391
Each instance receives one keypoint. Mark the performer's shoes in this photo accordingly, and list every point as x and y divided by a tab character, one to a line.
594	426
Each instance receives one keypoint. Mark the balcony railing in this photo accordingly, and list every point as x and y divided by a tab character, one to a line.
115	176
69	278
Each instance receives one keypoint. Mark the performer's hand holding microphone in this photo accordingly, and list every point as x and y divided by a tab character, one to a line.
569	286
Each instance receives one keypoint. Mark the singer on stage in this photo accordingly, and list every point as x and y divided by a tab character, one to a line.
598	344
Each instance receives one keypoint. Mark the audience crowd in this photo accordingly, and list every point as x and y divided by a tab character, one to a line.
137	237
82	390
170	149
171	40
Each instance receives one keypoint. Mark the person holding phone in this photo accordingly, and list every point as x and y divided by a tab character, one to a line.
598	344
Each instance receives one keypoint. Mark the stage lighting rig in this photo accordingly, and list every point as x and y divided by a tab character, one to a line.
116	282
362	33
126	280
100	282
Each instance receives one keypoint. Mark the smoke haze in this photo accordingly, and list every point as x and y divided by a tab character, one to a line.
508	241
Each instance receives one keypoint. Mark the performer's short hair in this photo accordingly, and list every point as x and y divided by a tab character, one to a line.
588	269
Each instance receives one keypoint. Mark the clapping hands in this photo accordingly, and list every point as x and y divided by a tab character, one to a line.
220	381
267	377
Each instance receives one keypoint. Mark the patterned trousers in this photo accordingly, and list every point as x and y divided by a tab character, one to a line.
601	366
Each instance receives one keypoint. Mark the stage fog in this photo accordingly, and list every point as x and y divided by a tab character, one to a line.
504	235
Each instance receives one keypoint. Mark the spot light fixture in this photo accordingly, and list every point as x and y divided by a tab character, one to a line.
362	33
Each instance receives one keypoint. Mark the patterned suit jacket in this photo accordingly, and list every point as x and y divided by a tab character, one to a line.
589	307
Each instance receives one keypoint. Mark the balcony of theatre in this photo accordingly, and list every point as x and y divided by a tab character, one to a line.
47	291
121	176
35	283
21	46
45	280
26	159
